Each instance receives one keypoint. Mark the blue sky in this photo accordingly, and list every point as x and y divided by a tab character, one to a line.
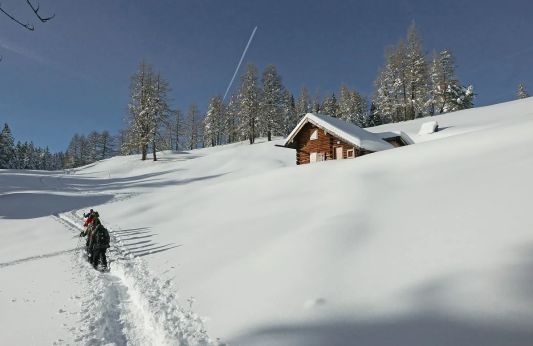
72	74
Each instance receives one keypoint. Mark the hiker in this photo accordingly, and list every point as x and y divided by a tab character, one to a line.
91	215
98	244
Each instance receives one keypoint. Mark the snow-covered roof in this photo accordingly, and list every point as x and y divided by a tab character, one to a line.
343	130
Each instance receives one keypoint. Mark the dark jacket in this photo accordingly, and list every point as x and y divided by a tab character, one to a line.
99	238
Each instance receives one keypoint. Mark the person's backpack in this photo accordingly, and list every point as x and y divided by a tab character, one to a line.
102	237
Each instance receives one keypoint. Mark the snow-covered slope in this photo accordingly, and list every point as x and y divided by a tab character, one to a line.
428	244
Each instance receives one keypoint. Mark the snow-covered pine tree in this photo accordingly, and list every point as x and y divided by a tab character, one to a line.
58	161
290	117
435	77
106	145
345	110
18	162
79	152
416	72
85	151
127	143
303	105
330	106
45	159
193	124
384	97
177	128
158	110
403	84
373	118
214	122
93	144
141	112
521	92
7	148
459	98
352	106
26	156
271	103
316	104
72	158
249	103
231	119
443	79
391	96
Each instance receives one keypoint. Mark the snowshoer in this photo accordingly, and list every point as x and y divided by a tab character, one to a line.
98	244
91	215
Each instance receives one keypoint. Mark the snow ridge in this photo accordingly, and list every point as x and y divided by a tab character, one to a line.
129	306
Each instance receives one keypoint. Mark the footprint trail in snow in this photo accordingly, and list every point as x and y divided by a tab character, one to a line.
128	305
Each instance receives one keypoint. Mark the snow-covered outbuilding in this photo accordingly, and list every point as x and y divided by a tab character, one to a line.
319	137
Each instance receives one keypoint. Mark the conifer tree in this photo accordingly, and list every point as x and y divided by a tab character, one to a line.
391	97
316	104
521	92
7	148
249	103
385	96
290	117
93	144
148	110
374	118
352	106
214	122
303	106
158	109
442	79
271	103
106	144
330	106
140	122
416	72
193	124
231	120
460	98
177	128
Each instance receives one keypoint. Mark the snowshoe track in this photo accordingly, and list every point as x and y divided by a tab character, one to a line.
128	305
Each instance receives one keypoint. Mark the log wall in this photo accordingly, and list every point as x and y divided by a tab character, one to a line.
325	144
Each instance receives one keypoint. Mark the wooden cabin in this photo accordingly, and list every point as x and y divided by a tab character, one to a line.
319	137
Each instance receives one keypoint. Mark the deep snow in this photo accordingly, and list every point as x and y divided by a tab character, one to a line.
425	244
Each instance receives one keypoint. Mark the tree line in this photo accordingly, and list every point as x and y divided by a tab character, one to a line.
26	155
83	150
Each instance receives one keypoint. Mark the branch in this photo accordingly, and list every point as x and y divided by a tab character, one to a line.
36	11
27	25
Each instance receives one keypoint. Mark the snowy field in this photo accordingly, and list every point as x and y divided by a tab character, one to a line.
428	244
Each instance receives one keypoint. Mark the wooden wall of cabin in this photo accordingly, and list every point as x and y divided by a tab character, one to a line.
325	143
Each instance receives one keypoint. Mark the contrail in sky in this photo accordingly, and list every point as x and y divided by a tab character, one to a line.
239	64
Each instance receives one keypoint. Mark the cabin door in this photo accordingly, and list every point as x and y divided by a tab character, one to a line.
338	153
313	157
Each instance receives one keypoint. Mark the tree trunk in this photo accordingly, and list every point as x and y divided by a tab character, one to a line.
154	150
144	150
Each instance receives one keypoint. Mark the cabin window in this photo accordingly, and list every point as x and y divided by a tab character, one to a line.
349	153
314	135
